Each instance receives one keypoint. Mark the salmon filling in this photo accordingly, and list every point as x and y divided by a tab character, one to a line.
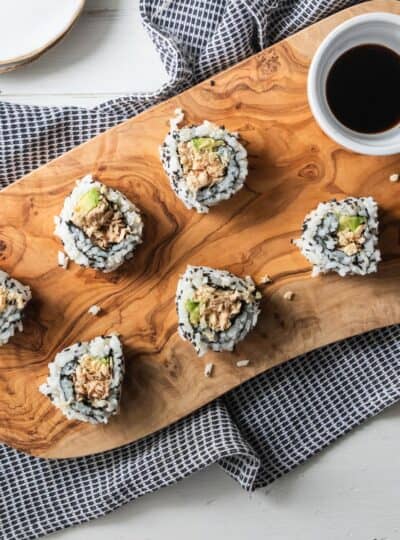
351	242
8	297
204	161
216	308
98	218
350	236
92	378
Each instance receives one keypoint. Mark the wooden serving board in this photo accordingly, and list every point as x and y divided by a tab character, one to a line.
293	166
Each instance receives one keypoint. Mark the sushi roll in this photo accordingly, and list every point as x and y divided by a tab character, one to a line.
342	236
85	380
99	227
13	298
206	164
216	309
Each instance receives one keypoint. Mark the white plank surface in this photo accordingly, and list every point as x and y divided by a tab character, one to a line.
351	491
106	54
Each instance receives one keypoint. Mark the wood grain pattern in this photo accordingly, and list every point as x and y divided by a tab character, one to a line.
293	166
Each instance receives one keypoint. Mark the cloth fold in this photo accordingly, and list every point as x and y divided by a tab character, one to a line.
256	432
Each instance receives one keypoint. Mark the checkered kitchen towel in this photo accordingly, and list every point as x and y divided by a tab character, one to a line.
262	429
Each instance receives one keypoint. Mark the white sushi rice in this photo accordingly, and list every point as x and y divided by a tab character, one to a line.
62	260
242	363
79	248
318	242
235	176
11	316
205	340
209	368
59	385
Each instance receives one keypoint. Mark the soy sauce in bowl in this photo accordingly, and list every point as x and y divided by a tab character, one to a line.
362	89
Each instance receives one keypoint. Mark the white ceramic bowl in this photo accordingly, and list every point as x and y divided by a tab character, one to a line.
377	28
28	28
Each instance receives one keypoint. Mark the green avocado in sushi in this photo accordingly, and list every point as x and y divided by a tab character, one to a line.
99	227
350	223
205	163
88	201
85	380
342	236
216	309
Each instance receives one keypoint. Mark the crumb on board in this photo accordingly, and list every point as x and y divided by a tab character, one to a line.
212	82
176	119
242	363
289	295
94	310
394	177
62	260
265	279
208	369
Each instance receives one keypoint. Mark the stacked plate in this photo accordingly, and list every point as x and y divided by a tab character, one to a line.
28	29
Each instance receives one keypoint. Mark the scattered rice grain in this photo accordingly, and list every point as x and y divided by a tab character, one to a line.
289	295
178	117
242	363
394	177
208	370
94	310
63	260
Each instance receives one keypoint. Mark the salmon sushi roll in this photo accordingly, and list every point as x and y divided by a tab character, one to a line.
14	297
85	380
99	227
342	237
216	309
205	163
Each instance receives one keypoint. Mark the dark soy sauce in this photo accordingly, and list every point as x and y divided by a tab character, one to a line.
362	88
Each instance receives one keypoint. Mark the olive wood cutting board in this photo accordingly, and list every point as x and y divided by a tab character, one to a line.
293	166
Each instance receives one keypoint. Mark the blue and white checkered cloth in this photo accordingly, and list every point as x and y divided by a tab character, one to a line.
262	429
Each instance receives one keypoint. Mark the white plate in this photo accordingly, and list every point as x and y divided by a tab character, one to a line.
30	27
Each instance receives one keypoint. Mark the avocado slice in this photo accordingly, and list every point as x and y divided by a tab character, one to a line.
88	201
350	223
206	143
193	308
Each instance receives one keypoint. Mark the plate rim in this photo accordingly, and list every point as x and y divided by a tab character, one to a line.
9	64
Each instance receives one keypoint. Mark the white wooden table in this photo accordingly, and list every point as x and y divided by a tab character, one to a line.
352	490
